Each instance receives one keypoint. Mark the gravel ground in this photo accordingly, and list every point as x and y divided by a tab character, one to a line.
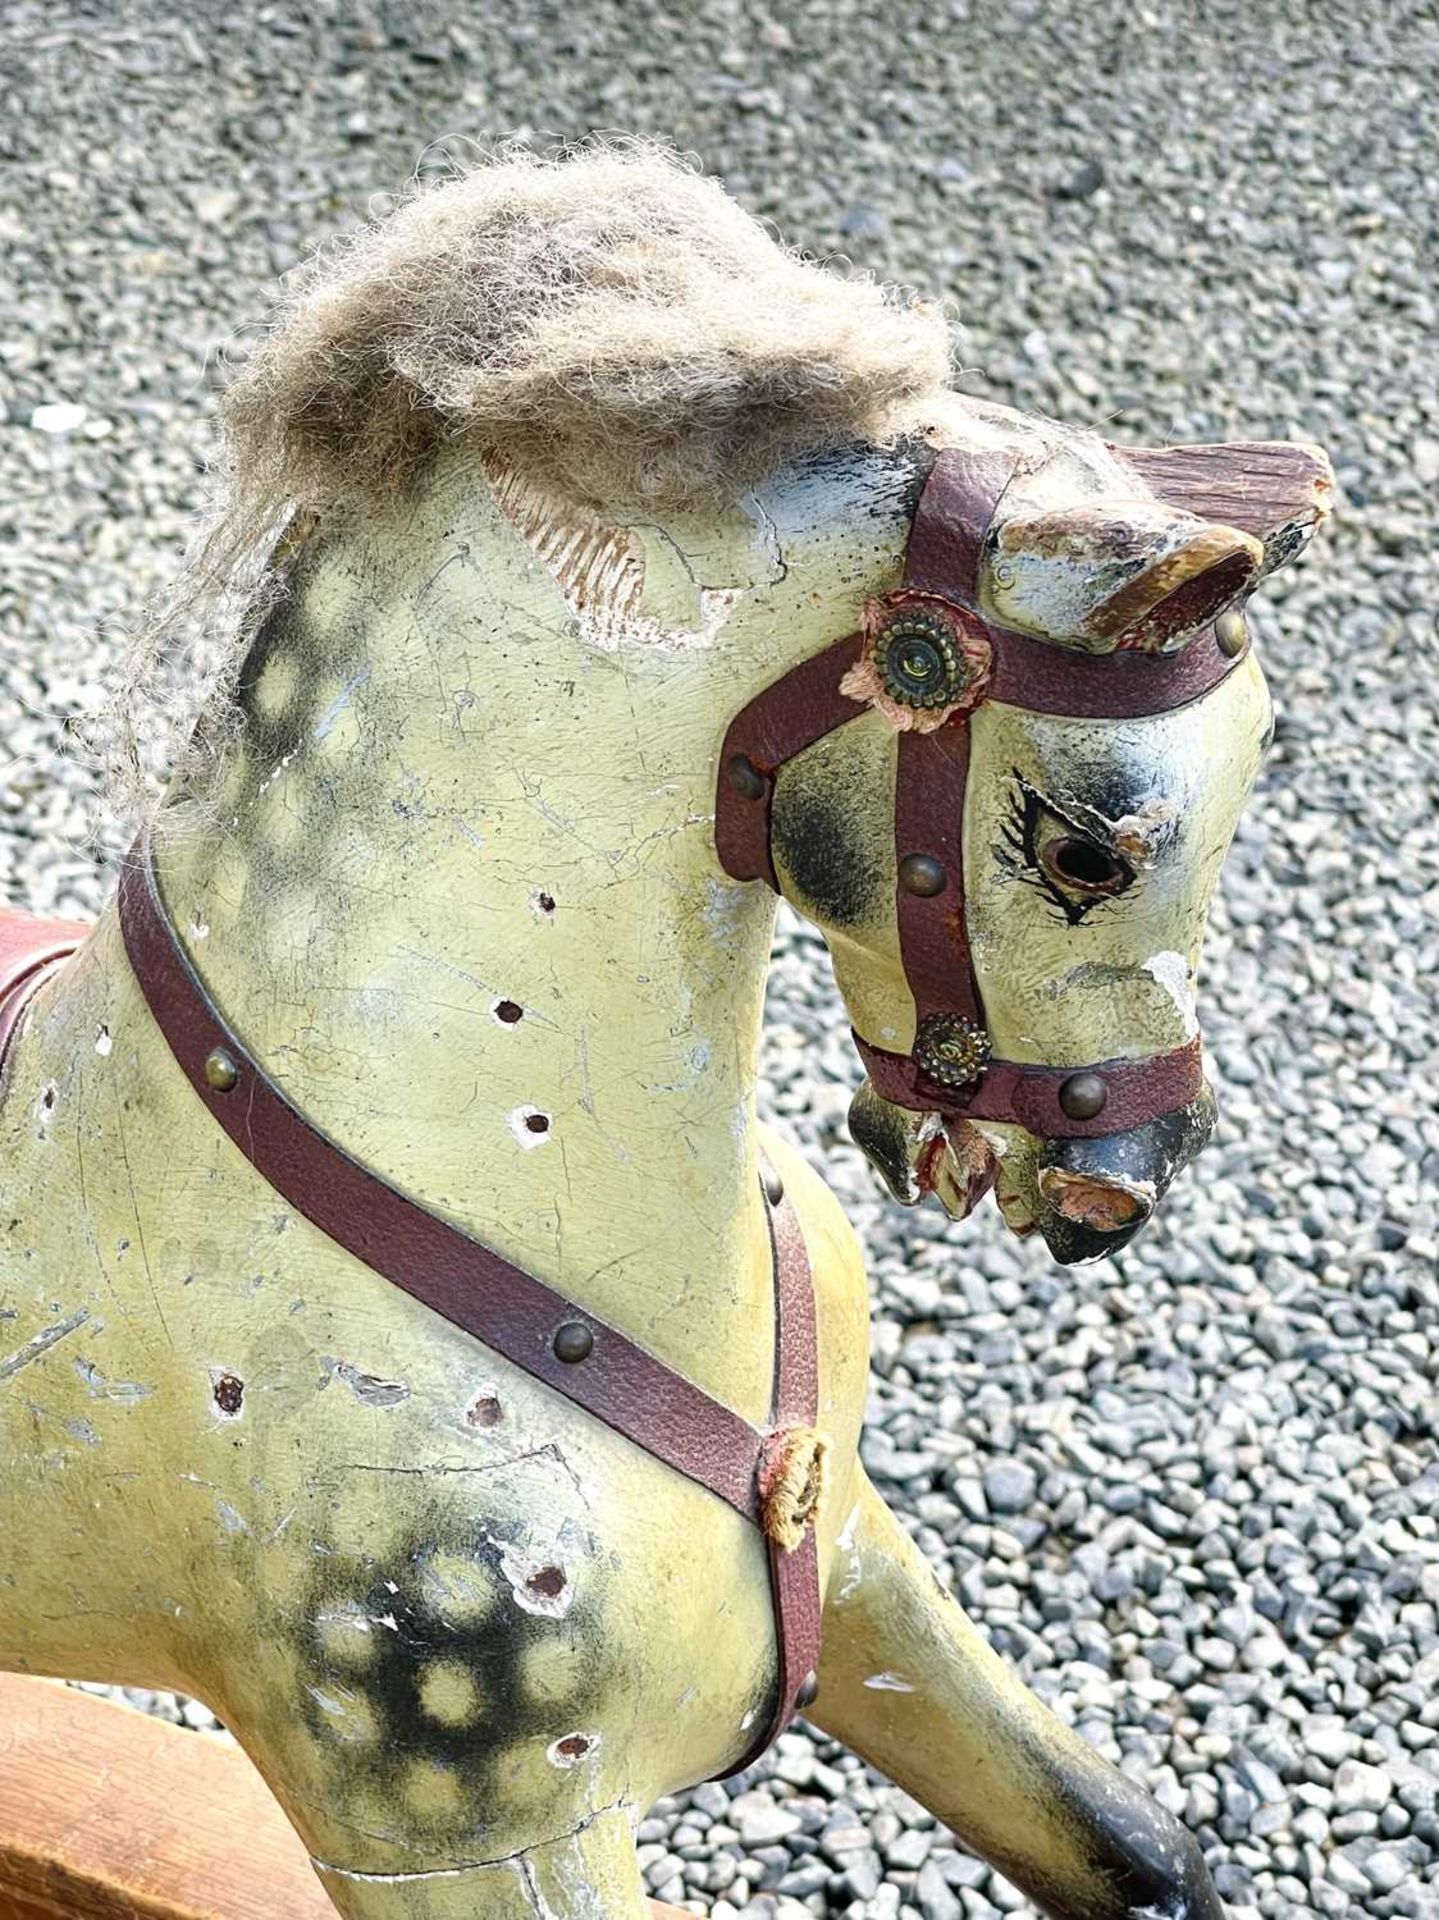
1192	1493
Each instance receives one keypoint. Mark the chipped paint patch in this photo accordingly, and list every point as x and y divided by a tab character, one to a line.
348	1718
726	904
530	1126
125	1393
847	1553
571	1748
346	1634
36	1348
325	726
230	1520
103	1042
368	1388
1171	970
888	1683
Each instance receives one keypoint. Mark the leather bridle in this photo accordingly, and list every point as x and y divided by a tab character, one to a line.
951	1069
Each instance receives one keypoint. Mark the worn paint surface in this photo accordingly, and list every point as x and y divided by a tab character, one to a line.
456	888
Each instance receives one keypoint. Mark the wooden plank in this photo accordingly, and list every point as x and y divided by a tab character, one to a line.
107	1814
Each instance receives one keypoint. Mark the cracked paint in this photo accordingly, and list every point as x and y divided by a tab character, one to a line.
368	1388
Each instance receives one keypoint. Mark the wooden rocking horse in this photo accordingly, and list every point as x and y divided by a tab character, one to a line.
410	1343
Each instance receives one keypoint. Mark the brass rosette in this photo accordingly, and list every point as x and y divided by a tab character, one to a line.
950	1050
926	658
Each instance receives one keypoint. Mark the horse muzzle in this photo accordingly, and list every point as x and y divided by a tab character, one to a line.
1090	1197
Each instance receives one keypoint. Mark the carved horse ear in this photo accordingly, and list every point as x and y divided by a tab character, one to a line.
1114	573
1277	490
1167	539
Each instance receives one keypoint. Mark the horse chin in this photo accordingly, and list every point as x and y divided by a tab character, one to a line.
917	1154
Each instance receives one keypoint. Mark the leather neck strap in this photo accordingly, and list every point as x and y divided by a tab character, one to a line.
531	1324
942	566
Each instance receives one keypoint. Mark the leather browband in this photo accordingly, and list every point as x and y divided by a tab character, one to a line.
945	549
511	1311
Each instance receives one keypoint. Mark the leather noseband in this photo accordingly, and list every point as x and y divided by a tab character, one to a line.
941	575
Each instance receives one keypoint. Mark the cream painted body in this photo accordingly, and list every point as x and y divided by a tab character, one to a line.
341	1567
468	1633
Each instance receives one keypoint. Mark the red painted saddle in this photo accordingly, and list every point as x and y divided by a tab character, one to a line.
31	951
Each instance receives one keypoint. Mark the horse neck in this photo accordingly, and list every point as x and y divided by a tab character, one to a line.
455	887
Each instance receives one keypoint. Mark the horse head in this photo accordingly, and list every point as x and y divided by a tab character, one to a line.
980	688
1005	802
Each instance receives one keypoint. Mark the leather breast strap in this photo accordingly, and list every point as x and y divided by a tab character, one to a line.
511	1311
32	951
942	563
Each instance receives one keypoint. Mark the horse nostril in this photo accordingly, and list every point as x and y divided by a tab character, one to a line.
1106	1206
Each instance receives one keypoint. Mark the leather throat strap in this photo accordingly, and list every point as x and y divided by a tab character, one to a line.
511	1311
946	545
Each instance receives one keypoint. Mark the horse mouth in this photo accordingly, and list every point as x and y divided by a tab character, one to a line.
1087	1197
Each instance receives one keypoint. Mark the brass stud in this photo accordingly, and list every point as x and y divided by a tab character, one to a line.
574	1342
1231	632
1083	1096
746	779
221	1073
922	874
808	1691
773	1185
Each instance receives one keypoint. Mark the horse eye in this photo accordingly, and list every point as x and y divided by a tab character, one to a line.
1084	865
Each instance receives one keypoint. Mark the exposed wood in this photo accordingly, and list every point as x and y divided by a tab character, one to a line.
1260	486
106	1814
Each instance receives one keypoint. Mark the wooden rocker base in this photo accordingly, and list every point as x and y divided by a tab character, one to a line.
107	1814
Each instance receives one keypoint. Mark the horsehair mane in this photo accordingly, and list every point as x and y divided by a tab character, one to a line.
607	321
612	320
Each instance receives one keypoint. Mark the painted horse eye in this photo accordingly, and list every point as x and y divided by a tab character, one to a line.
1051	852
1084	865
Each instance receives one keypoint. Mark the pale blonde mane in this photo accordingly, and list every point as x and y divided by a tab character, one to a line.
610	320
